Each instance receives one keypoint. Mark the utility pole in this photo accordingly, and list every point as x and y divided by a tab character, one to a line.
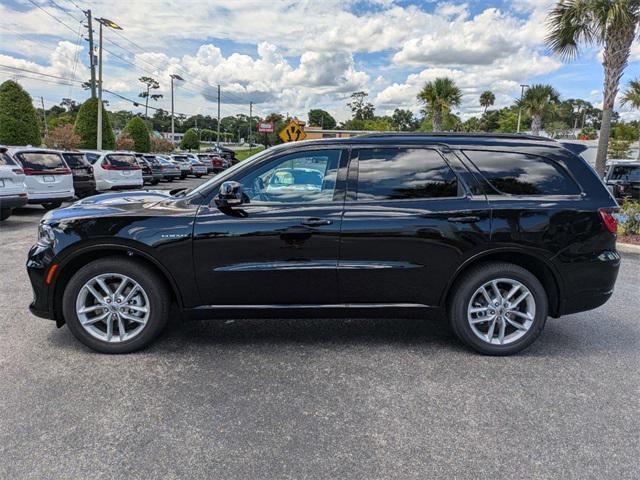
44	115
173	76
520	110
250	132
92	57
218	135
99	130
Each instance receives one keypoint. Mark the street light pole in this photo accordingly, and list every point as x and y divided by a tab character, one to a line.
520	110
174	76
115	26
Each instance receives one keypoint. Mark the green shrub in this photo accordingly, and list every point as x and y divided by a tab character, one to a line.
631	223
588	132
139	133
619	149
190	141
18	118
87	126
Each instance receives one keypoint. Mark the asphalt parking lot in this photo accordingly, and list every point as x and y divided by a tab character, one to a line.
356	399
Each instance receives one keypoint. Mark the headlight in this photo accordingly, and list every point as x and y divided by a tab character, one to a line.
45	234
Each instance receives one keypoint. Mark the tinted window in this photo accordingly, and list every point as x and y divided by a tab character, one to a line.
180	158
6	159
39	161
393	174
92	157
120	160
74	159
299	177
521	174
628	173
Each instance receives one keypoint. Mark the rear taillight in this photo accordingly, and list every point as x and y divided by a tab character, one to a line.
608	218
54	171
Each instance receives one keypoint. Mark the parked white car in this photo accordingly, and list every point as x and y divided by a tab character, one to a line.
115	170
13	193
47	177
197	167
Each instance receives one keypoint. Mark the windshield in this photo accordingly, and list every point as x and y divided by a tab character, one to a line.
40	161
630	173
74	160
202	188
122	161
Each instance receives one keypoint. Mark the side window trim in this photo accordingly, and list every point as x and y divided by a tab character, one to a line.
354	170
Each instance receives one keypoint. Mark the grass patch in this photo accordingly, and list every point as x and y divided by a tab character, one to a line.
244	154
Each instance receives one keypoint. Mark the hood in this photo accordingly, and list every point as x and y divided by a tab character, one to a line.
113	203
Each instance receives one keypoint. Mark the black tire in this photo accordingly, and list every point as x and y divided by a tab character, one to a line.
153	285
467	285
198	175
170	179
52	205
4	213
155	181
183	176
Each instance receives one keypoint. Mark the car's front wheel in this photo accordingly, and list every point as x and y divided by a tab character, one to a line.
116	305
4	213
498	308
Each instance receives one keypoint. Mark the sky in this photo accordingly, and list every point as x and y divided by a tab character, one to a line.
290	56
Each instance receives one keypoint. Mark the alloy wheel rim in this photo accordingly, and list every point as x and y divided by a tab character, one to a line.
501	311
113	307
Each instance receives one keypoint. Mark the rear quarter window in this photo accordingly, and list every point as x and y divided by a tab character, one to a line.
514	173
74	159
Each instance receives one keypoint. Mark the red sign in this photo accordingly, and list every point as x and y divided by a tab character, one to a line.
266	127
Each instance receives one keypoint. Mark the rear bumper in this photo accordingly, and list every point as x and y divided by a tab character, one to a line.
119	185
13	201
171	175
46	197
590	284
84	186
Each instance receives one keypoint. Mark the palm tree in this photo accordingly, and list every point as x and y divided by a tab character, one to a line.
631	97
487	99
439	96
610	24
537	100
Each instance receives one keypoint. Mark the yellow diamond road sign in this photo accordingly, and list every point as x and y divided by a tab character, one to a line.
292	132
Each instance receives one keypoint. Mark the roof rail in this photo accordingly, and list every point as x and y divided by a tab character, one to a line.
514	136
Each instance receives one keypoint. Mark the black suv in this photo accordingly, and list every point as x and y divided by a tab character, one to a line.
84	184
496	232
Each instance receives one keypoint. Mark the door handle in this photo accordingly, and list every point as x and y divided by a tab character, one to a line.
316	222
471	219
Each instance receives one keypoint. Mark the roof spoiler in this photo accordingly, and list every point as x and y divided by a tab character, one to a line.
576	148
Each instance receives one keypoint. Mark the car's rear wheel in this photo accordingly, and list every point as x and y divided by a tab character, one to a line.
52	205
498	308
4	213
116	305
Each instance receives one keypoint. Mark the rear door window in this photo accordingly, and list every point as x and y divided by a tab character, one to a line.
400	174
41	161
515	173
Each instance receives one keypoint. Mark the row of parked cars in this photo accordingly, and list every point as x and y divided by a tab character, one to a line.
49	177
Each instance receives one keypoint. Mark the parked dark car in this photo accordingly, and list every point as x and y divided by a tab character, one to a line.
150	168
496	232
623	178
225	153
84	184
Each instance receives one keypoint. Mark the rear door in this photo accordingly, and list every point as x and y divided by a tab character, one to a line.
409	222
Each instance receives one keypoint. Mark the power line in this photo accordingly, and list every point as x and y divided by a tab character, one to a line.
53	16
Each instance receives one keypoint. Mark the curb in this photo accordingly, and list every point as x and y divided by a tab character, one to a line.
628	248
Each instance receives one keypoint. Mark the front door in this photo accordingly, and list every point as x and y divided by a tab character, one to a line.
280	247
409	222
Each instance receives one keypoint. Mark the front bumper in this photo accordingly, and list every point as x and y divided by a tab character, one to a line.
13	201
39	261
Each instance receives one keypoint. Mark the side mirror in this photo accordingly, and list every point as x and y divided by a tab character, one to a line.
230	195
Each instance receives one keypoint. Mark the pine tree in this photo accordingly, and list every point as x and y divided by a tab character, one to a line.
87	126
139	133
18	118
